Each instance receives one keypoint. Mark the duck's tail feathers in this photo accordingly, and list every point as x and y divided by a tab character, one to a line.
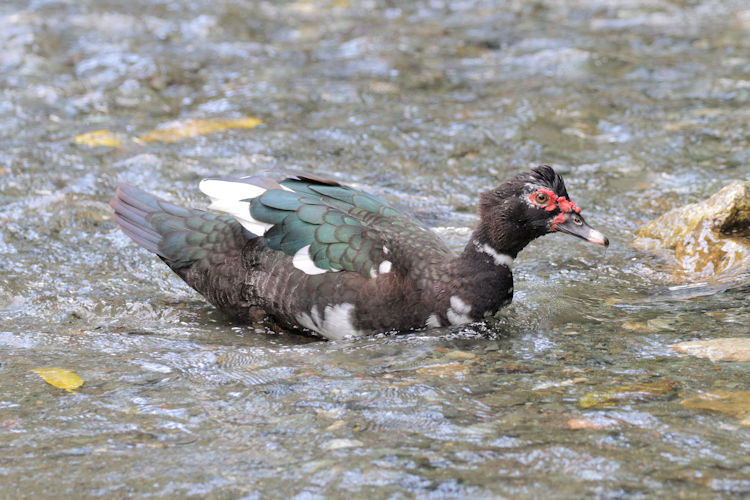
180	236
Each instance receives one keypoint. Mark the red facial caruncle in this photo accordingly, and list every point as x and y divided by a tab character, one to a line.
558	220
544	198
547	199
567	206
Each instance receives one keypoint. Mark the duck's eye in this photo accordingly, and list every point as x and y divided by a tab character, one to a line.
541	198
577	220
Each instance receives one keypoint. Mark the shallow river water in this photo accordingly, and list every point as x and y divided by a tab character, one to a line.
644	105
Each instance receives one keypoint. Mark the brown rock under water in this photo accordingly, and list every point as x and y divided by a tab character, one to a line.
706	238
645	391
735	404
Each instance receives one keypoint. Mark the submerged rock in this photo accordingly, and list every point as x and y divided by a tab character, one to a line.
705	238
726	349
735	404
645	391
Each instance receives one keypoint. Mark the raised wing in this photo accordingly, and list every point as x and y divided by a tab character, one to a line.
326	226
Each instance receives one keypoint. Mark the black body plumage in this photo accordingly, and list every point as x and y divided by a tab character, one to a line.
306	253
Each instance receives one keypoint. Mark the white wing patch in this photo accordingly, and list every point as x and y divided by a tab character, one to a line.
384	267
458	312
219	189
233	197
335	323
304	262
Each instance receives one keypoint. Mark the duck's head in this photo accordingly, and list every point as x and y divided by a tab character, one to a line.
530	205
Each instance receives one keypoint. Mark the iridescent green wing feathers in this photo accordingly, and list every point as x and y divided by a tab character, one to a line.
326	226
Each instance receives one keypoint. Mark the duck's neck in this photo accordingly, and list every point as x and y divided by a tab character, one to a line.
478	282
482	242
505	237
482	261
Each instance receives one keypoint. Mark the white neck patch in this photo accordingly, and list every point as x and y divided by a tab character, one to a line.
500	259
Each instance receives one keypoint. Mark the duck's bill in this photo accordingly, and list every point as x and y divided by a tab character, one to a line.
576	226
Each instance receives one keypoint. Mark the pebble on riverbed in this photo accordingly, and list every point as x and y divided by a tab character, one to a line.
704	238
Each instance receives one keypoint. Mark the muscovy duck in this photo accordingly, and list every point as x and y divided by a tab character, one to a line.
311	254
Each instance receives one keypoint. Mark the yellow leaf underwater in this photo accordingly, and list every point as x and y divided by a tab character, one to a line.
98	138
192	127
60	378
